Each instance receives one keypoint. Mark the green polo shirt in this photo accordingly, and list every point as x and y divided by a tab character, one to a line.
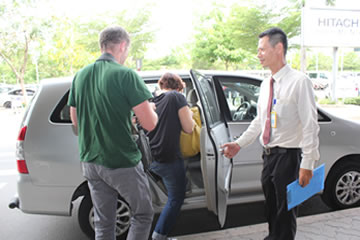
104	94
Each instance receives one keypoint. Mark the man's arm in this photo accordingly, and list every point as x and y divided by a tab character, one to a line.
73	118
310	129
146	115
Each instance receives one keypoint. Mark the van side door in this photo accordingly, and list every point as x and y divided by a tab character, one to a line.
216	168
237	97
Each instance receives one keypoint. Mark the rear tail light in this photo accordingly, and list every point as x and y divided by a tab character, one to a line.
20	156
22	133
21	166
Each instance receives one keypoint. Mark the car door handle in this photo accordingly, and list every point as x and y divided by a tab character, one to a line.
236	137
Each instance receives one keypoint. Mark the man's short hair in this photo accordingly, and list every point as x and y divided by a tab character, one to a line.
276	35
111	36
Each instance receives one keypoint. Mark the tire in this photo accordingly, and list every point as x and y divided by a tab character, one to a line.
342	189
86	218
7	104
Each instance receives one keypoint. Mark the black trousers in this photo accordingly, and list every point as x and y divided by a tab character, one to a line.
281	167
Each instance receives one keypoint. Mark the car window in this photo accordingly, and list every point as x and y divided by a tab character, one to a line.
208	99
4	90
313	75
153	88
322	117
18	92
15	92
61	113
30	92
241	97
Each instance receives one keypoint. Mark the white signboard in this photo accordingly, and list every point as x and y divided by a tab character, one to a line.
330	27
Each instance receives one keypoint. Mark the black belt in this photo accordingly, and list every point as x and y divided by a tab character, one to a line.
278	150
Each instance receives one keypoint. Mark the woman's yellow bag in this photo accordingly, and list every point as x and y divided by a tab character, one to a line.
190	143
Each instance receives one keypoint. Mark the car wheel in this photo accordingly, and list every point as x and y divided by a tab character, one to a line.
7	104
86	218
342	188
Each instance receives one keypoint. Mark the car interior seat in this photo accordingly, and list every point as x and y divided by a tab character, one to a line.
193	163
192	98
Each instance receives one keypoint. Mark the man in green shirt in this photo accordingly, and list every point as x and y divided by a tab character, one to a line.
102	99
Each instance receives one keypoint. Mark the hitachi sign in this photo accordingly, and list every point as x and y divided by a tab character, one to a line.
330	27
338	22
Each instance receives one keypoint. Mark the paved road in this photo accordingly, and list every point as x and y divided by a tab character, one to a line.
339	225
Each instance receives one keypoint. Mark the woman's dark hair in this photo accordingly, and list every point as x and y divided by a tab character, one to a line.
171	81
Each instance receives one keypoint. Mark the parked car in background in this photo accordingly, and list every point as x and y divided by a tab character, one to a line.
347	85
50	178
15	97
320	80
5	88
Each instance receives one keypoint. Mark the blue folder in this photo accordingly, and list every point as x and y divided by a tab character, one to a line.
297	194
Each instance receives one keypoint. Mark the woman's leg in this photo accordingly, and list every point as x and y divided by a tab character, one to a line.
173	176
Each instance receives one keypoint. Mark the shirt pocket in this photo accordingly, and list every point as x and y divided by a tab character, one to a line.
284	108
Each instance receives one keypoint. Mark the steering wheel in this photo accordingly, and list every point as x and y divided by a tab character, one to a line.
242	111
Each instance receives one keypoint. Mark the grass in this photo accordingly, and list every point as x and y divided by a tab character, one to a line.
352	101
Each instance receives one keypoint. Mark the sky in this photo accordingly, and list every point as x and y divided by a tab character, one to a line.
173	19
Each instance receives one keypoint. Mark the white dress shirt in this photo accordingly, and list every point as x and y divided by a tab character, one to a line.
297	119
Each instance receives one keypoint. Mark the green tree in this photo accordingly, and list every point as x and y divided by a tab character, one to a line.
319	61
245	24
66	51
215	41
74	42
352	61
20	28
179	58
330	2
233	38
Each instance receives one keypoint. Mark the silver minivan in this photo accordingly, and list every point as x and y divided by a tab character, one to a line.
49	166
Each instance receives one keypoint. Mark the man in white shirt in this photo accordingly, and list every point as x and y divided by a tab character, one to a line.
288	128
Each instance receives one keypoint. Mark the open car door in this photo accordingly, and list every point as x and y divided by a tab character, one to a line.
216	168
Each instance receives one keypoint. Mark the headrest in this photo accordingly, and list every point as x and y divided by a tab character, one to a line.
192	98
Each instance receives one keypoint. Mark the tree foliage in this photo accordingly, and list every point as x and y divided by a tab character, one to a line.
20	28
75	43
216	41
352	61
226	38
319	61
232	38
60	45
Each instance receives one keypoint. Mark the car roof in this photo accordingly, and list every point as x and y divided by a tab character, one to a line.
151	75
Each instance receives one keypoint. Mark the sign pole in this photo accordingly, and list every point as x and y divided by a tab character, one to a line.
334	68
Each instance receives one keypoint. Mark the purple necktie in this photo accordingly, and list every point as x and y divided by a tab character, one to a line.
266	135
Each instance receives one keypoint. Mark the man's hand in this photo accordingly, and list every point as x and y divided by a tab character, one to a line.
304	176
230	149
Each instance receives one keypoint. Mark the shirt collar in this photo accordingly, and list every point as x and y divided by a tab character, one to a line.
106	57
281	73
